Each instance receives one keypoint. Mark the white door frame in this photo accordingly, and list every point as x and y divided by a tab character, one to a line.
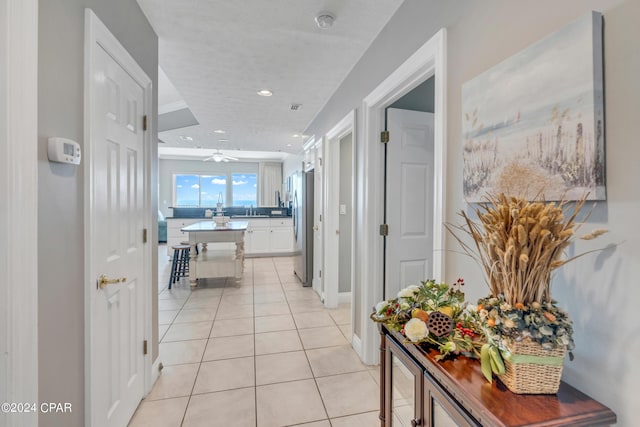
331	209
428	60
97	33
19	213
318	213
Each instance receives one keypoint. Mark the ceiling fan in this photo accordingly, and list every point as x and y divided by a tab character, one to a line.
218	156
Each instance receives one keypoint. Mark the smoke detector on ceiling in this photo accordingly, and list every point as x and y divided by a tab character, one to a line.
325	20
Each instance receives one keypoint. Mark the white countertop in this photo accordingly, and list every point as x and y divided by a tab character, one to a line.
213	226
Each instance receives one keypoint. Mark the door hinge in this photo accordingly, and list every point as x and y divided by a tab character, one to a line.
144	347
144	235
144	122
384	229
320	160
320	274
320	218
384	136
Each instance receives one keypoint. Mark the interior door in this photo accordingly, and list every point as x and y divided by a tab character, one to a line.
116	218
409	207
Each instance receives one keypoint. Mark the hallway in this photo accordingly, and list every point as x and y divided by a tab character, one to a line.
259	352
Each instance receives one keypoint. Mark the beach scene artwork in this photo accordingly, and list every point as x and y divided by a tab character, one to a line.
533	125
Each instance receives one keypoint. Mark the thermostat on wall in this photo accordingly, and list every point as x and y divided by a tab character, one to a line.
63	150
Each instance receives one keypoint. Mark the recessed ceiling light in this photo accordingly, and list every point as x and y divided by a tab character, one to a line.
219	131
265	92
223	140
288	145
296	135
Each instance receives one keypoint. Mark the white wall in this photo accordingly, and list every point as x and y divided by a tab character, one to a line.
346	179
599	291
4	223
292	164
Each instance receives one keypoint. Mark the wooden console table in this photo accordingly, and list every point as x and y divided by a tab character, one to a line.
415	390
216	263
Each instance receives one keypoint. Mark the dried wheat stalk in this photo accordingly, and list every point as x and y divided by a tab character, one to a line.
519	243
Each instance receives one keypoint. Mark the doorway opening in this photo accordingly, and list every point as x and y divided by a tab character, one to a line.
341	288
408	190
427	62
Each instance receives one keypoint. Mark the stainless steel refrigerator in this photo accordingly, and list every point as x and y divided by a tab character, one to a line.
302	207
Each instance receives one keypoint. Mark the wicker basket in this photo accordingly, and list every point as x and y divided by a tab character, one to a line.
531	369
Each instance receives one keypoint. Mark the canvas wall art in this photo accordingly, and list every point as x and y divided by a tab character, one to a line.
533	125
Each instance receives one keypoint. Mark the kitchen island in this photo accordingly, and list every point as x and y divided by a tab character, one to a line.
216	262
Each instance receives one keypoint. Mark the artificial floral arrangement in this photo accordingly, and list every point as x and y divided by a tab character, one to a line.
519	244
432	314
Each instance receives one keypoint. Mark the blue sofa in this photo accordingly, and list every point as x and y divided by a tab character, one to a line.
162	228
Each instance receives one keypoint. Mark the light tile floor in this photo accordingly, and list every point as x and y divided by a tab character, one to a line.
258	352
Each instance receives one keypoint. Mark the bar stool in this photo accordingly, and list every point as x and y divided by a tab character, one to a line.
186	242
180	263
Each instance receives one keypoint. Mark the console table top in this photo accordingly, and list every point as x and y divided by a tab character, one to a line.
493	404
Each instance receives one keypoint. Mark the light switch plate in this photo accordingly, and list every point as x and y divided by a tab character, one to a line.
343	209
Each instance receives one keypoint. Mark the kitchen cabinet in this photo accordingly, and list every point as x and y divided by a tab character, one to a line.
269	236
256	240
281	235
264	236
174	233
417	390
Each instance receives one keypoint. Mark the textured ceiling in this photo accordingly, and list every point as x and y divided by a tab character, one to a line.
219	53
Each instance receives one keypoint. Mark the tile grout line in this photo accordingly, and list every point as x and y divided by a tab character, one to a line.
255	291
195	380
255	357
304	350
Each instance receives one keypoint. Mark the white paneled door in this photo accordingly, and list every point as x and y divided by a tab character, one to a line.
409	245
116	220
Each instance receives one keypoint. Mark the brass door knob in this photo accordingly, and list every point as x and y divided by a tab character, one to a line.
103	281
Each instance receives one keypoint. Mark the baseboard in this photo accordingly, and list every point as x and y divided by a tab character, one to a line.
269	255
156	368
344	297
356	343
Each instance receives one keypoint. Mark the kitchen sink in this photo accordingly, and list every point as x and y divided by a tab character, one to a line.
250	216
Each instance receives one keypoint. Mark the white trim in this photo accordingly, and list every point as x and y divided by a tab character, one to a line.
317	282
96	33
309	143
331	177
427	61
356	343
156	368
344	298
19	213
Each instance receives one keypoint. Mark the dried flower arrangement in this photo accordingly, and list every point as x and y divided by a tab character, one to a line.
433	314
519	243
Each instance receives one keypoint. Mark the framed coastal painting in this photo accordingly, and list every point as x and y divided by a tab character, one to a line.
533	125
